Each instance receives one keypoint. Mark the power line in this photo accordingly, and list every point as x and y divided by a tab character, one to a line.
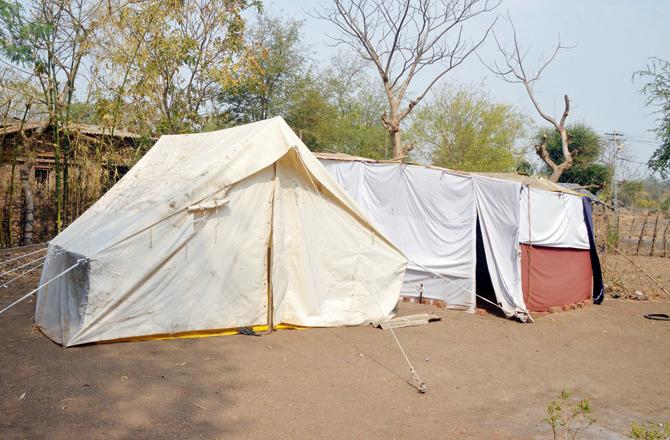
631	161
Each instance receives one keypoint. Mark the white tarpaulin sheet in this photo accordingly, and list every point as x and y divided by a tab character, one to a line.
429	214
498	210
556	220
180	244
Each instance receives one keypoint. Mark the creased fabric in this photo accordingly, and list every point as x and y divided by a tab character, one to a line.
556	220
181	244
429	214
498	210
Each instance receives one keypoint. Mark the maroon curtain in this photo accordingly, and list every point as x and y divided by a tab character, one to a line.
558	276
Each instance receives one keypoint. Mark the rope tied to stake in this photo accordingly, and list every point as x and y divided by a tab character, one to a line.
2	263
422	387
27	295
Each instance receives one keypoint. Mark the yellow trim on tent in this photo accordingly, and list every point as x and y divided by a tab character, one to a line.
200	333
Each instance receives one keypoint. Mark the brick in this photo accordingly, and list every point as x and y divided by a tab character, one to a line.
439	303
555	309
481	312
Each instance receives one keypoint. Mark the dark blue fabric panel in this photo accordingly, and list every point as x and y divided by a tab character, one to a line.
598	285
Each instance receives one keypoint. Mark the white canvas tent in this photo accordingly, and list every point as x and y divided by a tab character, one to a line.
433	214
226	229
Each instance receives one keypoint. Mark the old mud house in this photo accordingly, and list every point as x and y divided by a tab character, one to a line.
92	159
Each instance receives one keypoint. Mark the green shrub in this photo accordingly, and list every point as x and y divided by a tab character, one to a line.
568	418
649	431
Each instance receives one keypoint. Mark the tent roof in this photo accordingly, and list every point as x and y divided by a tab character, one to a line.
532	181
183	170
536	182
583	191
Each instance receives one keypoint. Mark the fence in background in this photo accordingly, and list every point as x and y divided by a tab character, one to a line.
633	233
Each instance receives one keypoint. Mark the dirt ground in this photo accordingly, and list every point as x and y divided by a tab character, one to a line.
487	377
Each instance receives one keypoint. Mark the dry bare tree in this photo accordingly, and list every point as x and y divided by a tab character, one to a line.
514	70
401	38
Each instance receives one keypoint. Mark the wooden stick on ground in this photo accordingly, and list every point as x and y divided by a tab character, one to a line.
640	269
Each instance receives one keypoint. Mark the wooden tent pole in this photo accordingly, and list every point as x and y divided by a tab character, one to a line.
271	308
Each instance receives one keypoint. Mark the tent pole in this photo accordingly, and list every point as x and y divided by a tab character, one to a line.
271	309
270	300
530	248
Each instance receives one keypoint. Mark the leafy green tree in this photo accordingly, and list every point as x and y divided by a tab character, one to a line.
630	192
585	146
49	41
334	108
464	129
17	31
337	109
275	62
524	167
329	119
657	90
404	40
166	61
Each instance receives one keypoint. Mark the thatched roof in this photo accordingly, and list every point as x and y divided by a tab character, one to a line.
13	126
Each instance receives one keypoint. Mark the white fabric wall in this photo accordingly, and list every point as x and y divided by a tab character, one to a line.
185	274
326	268
429	214
498	209
556	219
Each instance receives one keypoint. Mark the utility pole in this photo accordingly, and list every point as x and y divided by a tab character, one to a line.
616	140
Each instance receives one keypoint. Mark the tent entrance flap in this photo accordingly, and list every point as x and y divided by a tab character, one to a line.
326	263
484	285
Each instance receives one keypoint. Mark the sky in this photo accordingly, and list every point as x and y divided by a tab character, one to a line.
612	38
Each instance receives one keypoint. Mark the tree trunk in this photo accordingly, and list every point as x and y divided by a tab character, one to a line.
391	124
58	195
558	170
66	179
396	144
28	205
10	205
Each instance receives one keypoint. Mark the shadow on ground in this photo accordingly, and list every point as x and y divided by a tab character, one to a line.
487	377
